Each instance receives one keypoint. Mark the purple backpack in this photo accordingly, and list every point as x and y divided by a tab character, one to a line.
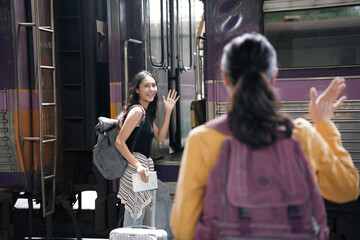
267	193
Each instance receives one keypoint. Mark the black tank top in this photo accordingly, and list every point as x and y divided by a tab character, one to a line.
143	142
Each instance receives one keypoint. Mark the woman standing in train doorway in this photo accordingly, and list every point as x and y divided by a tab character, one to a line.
141	106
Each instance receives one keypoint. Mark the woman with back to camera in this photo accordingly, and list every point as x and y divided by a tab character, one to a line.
249	68
142	103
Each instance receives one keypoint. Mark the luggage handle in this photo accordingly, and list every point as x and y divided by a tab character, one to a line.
152	211
142	226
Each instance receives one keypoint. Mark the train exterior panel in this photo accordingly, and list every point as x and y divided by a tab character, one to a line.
10	164
20	157
64	63
224	21
334	53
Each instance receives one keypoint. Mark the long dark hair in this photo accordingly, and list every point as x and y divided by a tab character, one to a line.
250	62
134	96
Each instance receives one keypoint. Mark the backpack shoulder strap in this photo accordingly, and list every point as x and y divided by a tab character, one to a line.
143	114
140	124
220	124
142	119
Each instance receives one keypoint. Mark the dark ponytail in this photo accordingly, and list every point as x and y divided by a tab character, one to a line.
250	63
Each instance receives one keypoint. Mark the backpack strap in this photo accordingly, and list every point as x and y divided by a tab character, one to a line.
123	116
142	119
307	174
220	124
140	124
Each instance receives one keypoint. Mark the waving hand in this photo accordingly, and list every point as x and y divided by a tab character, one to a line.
171	100
322	107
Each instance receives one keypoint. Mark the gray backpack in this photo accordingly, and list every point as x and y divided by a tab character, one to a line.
106	157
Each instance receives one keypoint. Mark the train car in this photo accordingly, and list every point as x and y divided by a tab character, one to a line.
28	127
46	128
67	62
315	42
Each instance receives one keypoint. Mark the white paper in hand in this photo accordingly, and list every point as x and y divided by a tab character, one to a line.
139	185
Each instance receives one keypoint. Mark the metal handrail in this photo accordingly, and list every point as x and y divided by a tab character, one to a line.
48	104
198	83
126	72
47	67
144	17
27	24
181	59
45	29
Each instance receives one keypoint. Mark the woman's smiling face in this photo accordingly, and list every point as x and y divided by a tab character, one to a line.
147	90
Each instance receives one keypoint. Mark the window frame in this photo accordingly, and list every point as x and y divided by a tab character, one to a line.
189	67
273	6
162	61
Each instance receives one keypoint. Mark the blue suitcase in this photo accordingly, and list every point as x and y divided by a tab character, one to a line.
141	232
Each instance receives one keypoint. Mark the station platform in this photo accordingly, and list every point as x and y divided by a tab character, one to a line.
167	169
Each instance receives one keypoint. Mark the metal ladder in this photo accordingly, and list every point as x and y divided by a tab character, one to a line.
44	137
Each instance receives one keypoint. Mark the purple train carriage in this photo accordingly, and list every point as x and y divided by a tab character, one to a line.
64	63
28	108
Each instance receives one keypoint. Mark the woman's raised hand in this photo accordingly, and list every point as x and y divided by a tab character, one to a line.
171	100
321	108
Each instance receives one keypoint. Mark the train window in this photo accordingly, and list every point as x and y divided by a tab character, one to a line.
185	32
155	32
322	37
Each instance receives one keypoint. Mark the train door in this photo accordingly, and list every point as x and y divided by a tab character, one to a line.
185	44
156	58
170	42
158	36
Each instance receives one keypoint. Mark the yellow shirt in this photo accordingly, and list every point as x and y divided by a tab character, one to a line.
331	164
